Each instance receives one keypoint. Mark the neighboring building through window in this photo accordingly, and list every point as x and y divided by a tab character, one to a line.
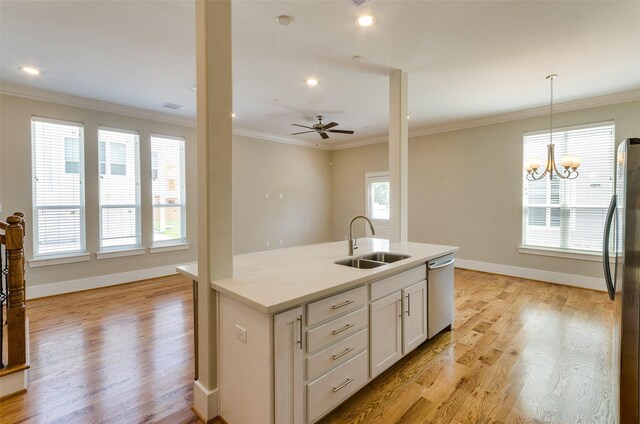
378	186
119	183
569	214
58	187
168	185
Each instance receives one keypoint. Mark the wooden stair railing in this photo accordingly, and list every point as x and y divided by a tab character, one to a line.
12	289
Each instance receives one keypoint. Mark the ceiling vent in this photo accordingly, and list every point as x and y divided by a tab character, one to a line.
193	87
359	2
172	106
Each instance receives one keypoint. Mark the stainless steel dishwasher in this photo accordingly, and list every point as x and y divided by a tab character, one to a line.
440	294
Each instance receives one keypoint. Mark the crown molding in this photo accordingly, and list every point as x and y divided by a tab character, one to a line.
32	93
264	136
571	106
99	105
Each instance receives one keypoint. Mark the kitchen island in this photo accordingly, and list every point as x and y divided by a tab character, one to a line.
299	333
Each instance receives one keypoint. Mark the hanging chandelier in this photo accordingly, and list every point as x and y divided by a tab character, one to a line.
569	164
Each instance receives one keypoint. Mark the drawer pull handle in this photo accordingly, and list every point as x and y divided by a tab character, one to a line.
340	330
347	350
345	303
336	389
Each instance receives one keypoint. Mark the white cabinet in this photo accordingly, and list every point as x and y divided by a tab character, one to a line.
398	320
288	367
386	332
414	329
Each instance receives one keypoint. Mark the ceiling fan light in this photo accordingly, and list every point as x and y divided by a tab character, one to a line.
312	82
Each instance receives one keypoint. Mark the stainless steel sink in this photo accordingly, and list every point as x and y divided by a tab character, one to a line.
385	257
372	260
360	263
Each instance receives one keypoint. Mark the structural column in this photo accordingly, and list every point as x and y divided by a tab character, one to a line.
398	156
215	241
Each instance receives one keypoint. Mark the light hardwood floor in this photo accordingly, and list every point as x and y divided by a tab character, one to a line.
521	352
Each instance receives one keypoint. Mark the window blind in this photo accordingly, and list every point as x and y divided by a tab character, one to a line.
119	184
570	214
58	187
168	186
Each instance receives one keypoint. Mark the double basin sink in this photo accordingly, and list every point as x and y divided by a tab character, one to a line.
372	260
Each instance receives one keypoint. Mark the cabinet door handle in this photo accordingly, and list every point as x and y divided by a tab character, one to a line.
409	305
299	342
345	303
340	330
347	350
349	380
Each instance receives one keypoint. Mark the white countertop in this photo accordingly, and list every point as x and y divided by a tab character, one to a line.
189	270
276	280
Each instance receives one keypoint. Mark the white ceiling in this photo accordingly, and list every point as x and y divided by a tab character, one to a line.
465	60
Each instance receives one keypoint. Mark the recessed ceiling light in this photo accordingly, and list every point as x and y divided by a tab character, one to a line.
408	116
284	20
365	20
312	82
30	70
233	115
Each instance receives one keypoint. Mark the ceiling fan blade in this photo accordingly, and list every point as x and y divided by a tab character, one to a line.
330	125
303	126
341	131
324	135
303	132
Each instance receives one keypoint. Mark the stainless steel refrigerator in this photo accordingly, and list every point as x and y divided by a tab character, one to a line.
621	262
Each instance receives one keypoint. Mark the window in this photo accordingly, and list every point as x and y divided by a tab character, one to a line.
168	185
378	197
58	187
119	182
570	214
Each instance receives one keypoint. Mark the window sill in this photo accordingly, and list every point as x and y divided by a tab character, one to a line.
561	253
168	248
119	253
58	260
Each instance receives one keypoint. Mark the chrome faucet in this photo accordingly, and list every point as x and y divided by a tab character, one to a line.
352	241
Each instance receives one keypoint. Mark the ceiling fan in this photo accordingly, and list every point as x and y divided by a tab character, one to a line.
322	129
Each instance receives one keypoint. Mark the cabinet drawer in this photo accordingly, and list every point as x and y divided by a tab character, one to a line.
334	387
382	288
336	305
337	354
336	329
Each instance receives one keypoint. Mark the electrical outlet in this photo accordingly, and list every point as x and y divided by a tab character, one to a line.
266	195
268	244
281	196
281	242
241	334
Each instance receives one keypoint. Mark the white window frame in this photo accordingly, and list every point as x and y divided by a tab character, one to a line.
375	177
36	208
157	246
137	206
562	251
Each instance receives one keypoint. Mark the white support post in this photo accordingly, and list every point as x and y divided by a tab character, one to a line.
215	242
398	156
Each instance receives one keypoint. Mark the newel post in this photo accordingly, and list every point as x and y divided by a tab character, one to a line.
16	290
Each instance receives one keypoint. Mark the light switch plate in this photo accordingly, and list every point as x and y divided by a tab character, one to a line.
241	334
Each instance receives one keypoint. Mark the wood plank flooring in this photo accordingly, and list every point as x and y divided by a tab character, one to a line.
521	352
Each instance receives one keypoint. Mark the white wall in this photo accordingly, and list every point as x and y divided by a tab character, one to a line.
298	182
465	188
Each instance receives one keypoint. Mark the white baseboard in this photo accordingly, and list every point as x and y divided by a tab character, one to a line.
13	383
205	401
535	274
61	287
